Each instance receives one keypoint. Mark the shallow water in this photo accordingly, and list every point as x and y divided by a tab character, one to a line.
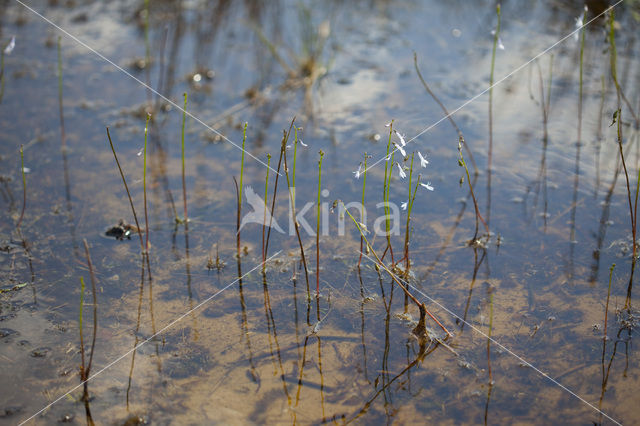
178	342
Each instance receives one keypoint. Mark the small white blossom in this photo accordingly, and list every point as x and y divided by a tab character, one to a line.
10	46
423	160
402	141
363	227
401	171
403	205
401	149
302	143
579	25
428	186
388	124
500	45
358	172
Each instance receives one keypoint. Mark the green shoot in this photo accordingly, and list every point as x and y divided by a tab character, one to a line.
184	184
318	225
364	184
264	219
144	184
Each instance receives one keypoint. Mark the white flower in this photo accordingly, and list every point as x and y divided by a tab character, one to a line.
423	160
428	186
579	25
10	46
403	205
358	172
401	149
500	45
302	143
388	124
401	171
402	141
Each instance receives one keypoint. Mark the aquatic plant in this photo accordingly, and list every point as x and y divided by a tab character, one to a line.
184	182
264	218
126	187
144	185
291	191
385	193
496	38
24	188
239	190
420	329
85	369
462	163
318	226
357	174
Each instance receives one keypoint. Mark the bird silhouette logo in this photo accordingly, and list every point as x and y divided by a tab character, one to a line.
260	213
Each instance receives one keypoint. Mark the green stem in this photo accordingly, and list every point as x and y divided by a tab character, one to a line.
318	226
264	219
364	184
184	182
144	184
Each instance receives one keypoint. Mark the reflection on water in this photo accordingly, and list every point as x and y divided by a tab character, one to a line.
263	349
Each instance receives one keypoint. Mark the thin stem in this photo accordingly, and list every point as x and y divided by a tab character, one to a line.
144	184
444	109
364	184
496	36
184	182
24	187
318	226
60	107
385	192
126	187
95	307
264	219
475	202
82	370
244	138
